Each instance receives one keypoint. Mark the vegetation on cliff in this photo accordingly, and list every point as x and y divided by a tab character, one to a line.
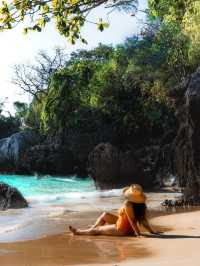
8	124
123	87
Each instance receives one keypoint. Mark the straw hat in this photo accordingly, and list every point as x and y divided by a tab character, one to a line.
134	193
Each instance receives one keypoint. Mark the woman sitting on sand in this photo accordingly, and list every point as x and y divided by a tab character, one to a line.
131	215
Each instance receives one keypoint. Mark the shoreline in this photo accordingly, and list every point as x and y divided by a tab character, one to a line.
38	221
181	235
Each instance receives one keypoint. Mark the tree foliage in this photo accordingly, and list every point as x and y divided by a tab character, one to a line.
126	85
184	15
8	124
122	88
21	109
69	15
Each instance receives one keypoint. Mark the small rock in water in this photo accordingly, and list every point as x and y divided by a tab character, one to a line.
11	198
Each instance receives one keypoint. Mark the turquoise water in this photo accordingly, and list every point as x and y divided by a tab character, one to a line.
49	189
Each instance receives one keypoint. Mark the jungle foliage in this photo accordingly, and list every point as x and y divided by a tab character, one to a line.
68	15
124	88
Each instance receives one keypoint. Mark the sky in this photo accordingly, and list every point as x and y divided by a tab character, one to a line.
17	48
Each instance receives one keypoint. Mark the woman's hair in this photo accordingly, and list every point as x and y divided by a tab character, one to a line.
139	210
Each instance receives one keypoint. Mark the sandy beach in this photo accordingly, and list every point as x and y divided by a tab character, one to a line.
179	245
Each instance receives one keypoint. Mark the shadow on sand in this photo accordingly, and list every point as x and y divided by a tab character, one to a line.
163	236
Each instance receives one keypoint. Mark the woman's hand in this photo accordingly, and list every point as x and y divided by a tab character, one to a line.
149	228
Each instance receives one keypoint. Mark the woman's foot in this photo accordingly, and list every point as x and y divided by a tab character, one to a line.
73	230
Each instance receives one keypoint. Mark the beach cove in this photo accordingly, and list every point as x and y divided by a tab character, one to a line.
39	236
99	105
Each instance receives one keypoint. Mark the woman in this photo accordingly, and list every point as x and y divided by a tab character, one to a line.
131	215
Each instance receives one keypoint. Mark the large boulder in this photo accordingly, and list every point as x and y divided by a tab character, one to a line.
187	142
112	168
11	198
49	159
13	148
82	140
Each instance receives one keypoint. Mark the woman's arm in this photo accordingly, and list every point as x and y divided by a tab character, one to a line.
146	224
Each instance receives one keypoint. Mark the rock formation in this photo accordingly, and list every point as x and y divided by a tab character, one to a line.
13	148
11	198
187	142
48	159
112	168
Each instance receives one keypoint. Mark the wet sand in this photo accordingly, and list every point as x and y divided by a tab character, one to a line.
34	223
179	245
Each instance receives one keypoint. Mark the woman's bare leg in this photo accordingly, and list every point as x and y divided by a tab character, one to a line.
107	230
105	218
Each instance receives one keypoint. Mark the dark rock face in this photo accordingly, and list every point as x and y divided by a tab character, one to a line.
48	159
11	198
151	161
13	148
27	152
187	142
164	158
112	168
83	140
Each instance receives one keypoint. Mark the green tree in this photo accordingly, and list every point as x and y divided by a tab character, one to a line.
8	124
68	90
33	114
169	10
117	83
182	15
69	15
21	109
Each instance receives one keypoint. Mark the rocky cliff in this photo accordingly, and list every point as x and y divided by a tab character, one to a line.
111	167
186	145
13	148
11	198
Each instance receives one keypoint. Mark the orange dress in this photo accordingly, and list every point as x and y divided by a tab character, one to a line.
123	224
